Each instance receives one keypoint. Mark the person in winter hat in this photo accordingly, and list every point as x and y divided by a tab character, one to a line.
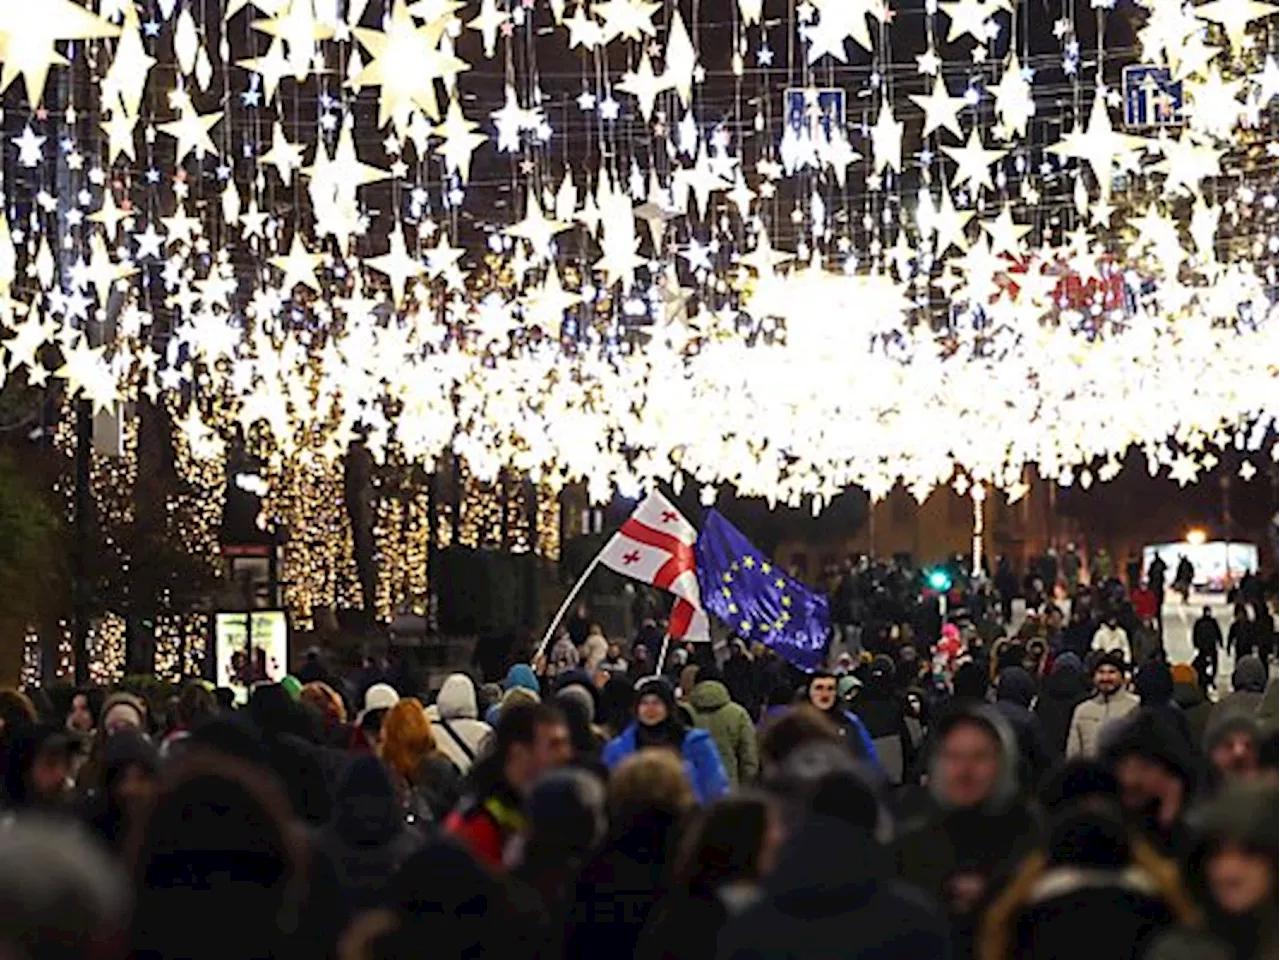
728	723
1079	783
1248	681
658	725
1111	703
521	675
123	711
1153	684
1189	696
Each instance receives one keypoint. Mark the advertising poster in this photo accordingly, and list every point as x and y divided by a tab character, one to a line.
240	667
1217	564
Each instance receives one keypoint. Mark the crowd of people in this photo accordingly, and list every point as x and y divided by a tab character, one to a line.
948	788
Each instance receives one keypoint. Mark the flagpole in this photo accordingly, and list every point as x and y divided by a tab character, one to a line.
555	621
662	657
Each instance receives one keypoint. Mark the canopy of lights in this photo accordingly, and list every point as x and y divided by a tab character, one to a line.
788	247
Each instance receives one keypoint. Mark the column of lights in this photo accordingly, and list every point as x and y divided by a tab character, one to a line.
401	534
195	518
306	498
106	649
182	641
548	522
32	665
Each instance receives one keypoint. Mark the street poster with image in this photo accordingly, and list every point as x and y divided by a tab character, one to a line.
240	667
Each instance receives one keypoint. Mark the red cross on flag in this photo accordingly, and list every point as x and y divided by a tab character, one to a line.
655	546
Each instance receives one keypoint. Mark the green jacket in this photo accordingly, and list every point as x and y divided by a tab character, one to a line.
730	727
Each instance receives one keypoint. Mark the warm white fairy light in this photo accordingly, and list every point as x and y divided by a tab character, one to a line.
975	322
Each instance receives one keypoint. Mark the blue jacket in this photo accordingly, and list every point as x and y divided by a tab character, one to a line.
864	748
702	763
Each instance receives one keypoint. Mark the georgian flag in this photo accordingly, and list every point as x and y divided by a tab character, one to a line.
655	546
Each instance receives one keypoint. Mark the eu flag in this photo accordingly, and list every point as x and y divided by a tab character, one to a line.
756	599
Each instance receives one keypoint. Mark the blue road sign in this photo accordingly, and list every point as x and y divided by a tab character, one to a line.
814	110
1152	98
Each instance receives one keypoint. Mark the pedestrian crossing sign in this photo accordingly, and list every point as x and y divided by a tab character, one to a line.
1152	98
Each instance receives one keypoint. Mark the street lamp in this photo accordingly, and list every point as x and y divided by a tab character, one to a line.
1196	537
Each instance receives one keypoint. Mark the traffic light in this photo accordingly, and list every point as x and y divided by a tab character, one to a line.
939	579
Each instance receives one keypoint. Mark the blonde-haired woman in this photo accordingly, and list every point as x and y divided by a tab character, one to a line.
649	798
1093	891
428	782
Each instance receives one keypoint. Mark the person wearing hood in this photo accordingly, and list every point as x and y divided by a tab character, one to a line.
37	767
833	892
1248	681
729	725
658	724
1233	745
1064	689
1111	703
1153	684
1156	770
1093	891
521	675
1233	871
978	829
367	839
743	679
127	777
881	711
1015	692
456	717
